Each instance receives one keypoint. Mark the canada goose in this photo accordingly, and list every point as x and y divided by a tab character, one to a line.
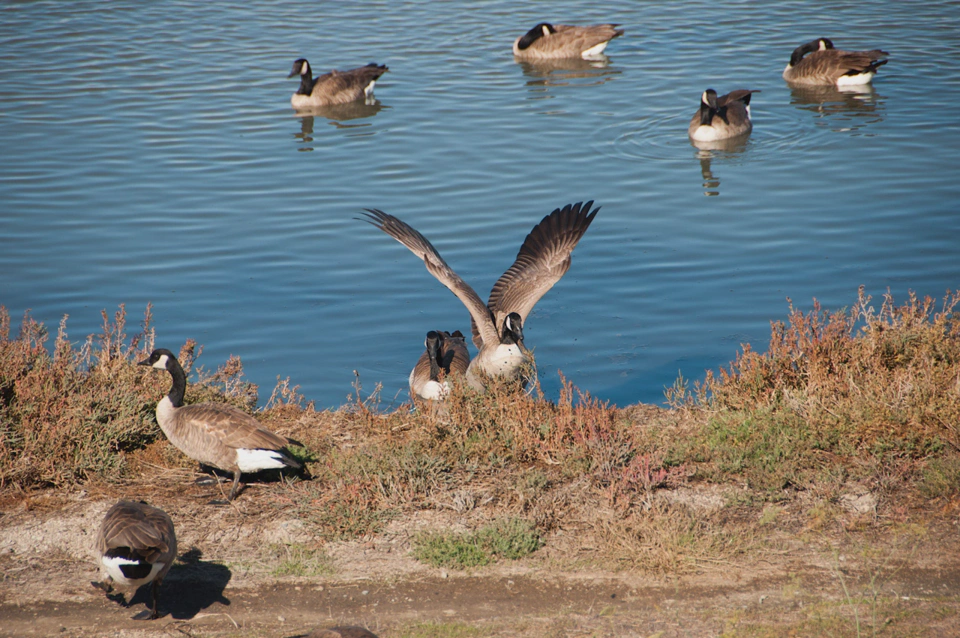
136	544
497	325
818	63
336	87
446	352
721	117
216	434
551	41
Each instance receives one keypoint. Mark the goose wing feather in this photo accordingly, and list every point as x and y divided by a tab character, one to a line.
228	426
436	266
144	529
543	259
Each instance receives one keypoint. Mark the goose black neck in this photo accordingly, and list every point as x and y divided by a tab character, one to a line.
706	114
306	84
179	386
433	354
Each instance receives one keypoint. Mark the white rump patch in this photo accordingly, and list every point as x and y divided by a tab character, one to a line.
705	133
435	391
112	566
594	51
256	460
855	80
369	90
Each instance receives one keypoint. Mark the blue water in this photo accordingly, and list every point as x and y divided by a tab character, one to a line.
150	155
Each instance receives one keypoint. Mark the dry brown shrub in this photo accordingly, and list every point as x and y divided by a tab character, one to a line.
880	378
76	413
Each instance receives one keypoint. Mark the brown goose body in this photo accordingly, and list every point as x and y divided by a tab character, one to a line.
445	353
818	63
723	117
216	434
136	545
497	325
555	41
336	87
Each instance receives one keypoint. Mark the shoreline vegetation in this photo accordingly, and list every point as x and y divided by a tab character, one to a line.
844	433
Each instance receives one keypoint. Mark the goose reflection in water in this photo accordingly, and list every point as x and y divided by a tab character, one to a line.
844	109
720	150
568	71
337	114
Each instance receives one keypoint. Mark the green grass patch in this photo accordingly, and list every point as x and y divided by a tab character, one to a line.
296	559
509	539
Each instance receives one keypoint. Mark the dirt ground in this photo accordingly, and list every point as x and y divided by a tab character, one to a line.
224	583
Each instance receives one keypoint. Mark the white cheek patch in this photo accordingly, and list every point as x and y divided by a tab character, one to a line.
546	31
162	362
256	460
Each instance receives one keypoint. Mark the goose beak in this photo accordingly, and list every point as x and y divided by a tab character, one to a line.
145	362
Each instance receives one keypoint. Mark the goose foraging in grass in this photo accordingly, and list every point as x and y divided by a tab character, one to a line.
136	545
216	434
446	353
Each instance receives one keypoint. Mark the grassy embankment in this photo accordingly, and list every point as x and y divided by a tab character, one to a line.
848	425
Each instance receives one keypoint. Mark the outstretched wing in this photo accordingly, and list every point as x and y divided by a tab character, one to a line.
436	266
543	259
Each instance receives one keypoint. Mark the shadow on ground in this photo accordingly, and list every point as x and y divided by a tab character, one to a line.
191	586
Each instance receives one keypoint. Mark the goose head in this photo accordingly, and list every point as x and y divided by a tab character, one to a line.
512	329
160	358
537	32
708	106
300	67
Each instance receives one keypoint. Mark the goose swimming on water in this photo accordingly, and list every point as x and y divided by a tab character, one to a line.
818	63
336	87
553	41
216	434
497	325
723	117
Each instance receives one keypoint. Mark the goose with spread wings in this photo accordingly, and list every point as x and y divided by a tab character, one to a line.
497	325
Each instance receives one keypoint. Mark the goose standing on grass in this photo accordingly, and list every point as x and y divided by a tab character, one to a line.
723	117
817	63
445	352
554	41
497	325
136	544
336	87
216	434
